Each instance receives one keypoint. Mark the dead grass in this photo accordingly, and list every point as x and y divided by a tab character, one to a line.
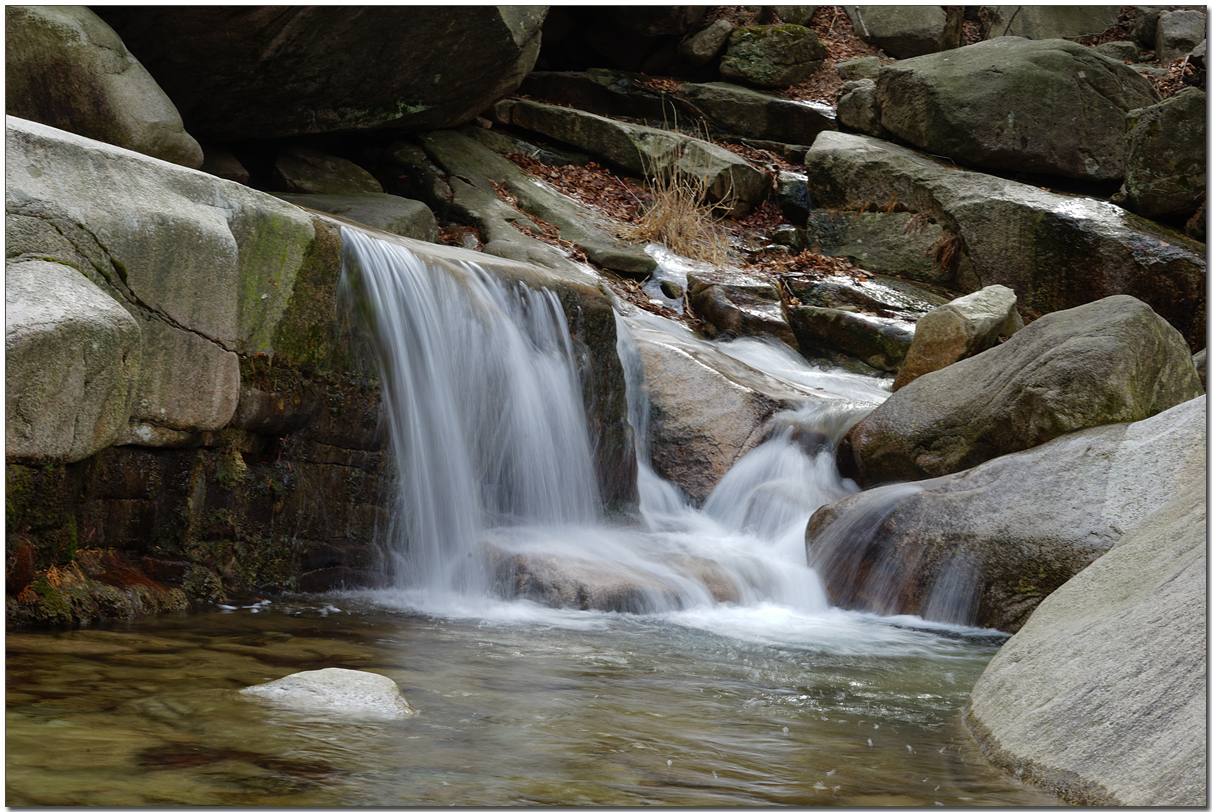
680	218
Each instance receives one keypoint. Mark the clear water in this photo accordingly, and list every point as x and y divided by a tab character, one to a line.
742	687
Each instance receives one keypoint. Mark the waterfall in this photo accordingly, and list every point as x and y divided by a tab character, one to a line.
497	495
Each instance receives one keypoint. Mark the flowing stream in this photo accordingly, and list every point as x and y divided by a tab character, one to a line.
729	680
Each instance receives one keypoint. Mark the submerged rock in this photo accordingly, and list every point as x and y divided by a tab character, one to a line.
336	690
1101	698
1110	361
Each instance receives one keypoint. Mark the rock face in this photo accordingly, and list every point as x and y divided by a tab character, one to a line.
985	546
908	31
997	104
289	70
1166	159
390	213
958	330
1101	697
64	67
1178	32
1045	22
772	55
1053	250
1107	362
337	690
308	171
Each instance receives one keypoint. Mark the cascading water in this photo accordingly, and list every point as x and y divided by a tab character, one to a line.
496	481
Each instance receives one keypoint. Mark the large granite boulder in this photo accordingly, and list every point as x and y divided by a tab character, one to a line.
239	72
1000	103
772	55
908	31
726	178
1110	361
985	546
1178	32
1101	698
64	67
958	330
1054	251
121	219
1166	161
740	111
1046	22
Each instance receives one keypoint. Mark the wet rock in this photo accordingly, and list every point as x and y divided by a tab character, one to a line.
64	67
878	341
873	293
726	178
1054	251
336	690
1045	22
288	70
907	31
744	304
1178	32
748	113
391	213
1166	156
995	104
1115	661
899	243
986	546
1110	361
307	171
959	329
772	55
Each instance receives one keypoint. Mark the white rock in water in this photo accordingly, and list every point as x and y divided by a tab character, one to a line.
338	690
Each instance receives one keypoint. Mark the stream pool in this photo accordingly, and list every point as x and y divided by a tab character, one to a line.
517	705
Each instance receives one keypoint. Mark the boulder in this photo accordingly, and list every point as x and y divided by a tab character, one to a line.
1201	366
907	31
1123	50
1110	361
873	293
270	71
1046	22
985	546
1055	251
878	341
307	171
341	691
863	67
391	213
1101	698
772	55
739	303
64	67
703	46
1012	103
1166	160
958	330
195	309
899	243
223	164
708	410
72	359
799	15
727	179
740	111
1178	32
858	109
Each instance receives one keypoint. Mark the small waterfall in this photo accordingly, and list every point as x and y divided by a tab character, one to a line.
488	425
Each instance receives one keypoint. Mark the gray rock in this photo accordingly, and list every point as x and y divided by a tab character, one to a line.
391	213
1110	361
1123	50
1201	366
727	178
858	109
739	303
864	67
307	171
772	55
748	113
702	47
877	341
874	293
288	70
1178	32
1000	103
72	359
341	691
1166	159
1046	22
1101	697
64	67
798	15
1055	251
986	546
792	192
897	243
121	219
958	330
907	31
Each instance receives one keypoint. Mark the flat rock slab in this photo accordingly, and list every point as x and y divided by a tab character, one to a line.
337	690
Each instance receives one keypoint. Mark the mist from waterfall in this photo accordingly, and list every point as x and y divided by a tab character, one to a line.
496	473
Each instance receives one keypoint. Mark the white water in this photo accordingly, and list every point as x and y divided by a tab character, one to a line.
494	459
